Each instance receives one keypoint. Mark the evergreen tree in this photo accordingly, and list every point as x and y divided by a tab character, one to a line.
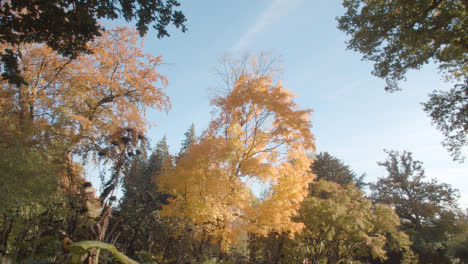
329	168
141	203
190	139
157	159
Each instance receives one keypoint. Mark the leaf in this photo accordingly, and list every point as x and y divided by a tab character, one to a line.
85	246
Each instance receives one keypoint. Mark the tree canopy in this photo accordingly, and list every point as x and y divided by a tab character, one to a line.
402	35
69	26
73	101
329	168
92	106
341	225
258	132
427	209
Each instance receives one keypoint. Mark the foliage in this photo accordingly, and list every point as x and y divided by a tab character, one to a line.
427	209
29	227
458	244
68	27
258	132
92	105
329	168
272	248
39	196
449	111
341	225
78	247
25	174
140	226
402	35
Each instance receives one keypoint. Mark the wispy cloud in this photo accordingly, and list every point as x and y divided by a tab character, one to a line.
276	10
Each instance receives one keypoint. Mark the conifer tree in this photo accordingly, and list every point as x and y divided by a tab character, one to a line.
139	208
330	168
190	139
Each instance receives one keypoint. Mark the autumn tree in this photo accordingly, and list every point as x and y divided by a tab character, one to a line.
68	27
329	168
402	35
257	132
91	107
427	209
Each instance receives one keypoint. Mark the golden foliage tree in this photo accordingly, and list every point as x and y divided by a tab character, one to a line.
258	132
85	105
88	99
92	105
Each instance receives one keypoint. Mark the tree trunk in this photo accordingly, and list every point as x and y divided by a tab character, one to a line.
332	259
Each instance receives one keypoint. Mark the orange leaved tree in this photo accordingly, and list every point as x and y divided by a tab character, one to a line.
258	132
91	106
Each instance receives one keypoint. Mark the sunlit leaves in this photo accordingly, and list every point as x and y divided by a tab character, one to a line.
257	132
401	35
341	224
86	101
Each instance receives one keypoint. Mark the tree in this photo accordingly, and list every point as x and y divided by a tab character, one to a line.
402	35
329	168
69	26
257	132
427	209
449	111
458	246
140	226
37	202
341	225
92	106
190	139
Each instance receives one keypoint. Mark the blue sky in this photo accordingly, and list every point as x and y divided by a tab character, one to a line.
354	118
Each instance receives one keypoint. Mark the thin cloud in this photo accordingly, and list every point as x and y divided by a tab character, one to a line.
276	10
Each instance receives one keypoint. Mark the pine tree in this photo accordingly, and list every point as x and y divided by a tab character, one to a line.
140	206
190	139
157	159
330	168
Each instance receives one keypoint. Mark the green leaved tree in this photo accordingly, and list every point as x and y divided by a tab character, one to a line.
427	209
402	35
329	168
341	225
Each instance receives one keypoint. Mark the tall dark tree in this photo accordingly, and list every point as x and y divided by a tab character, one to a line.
190	139
329	168
156	160
67	26
401	35
139	209
427	209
